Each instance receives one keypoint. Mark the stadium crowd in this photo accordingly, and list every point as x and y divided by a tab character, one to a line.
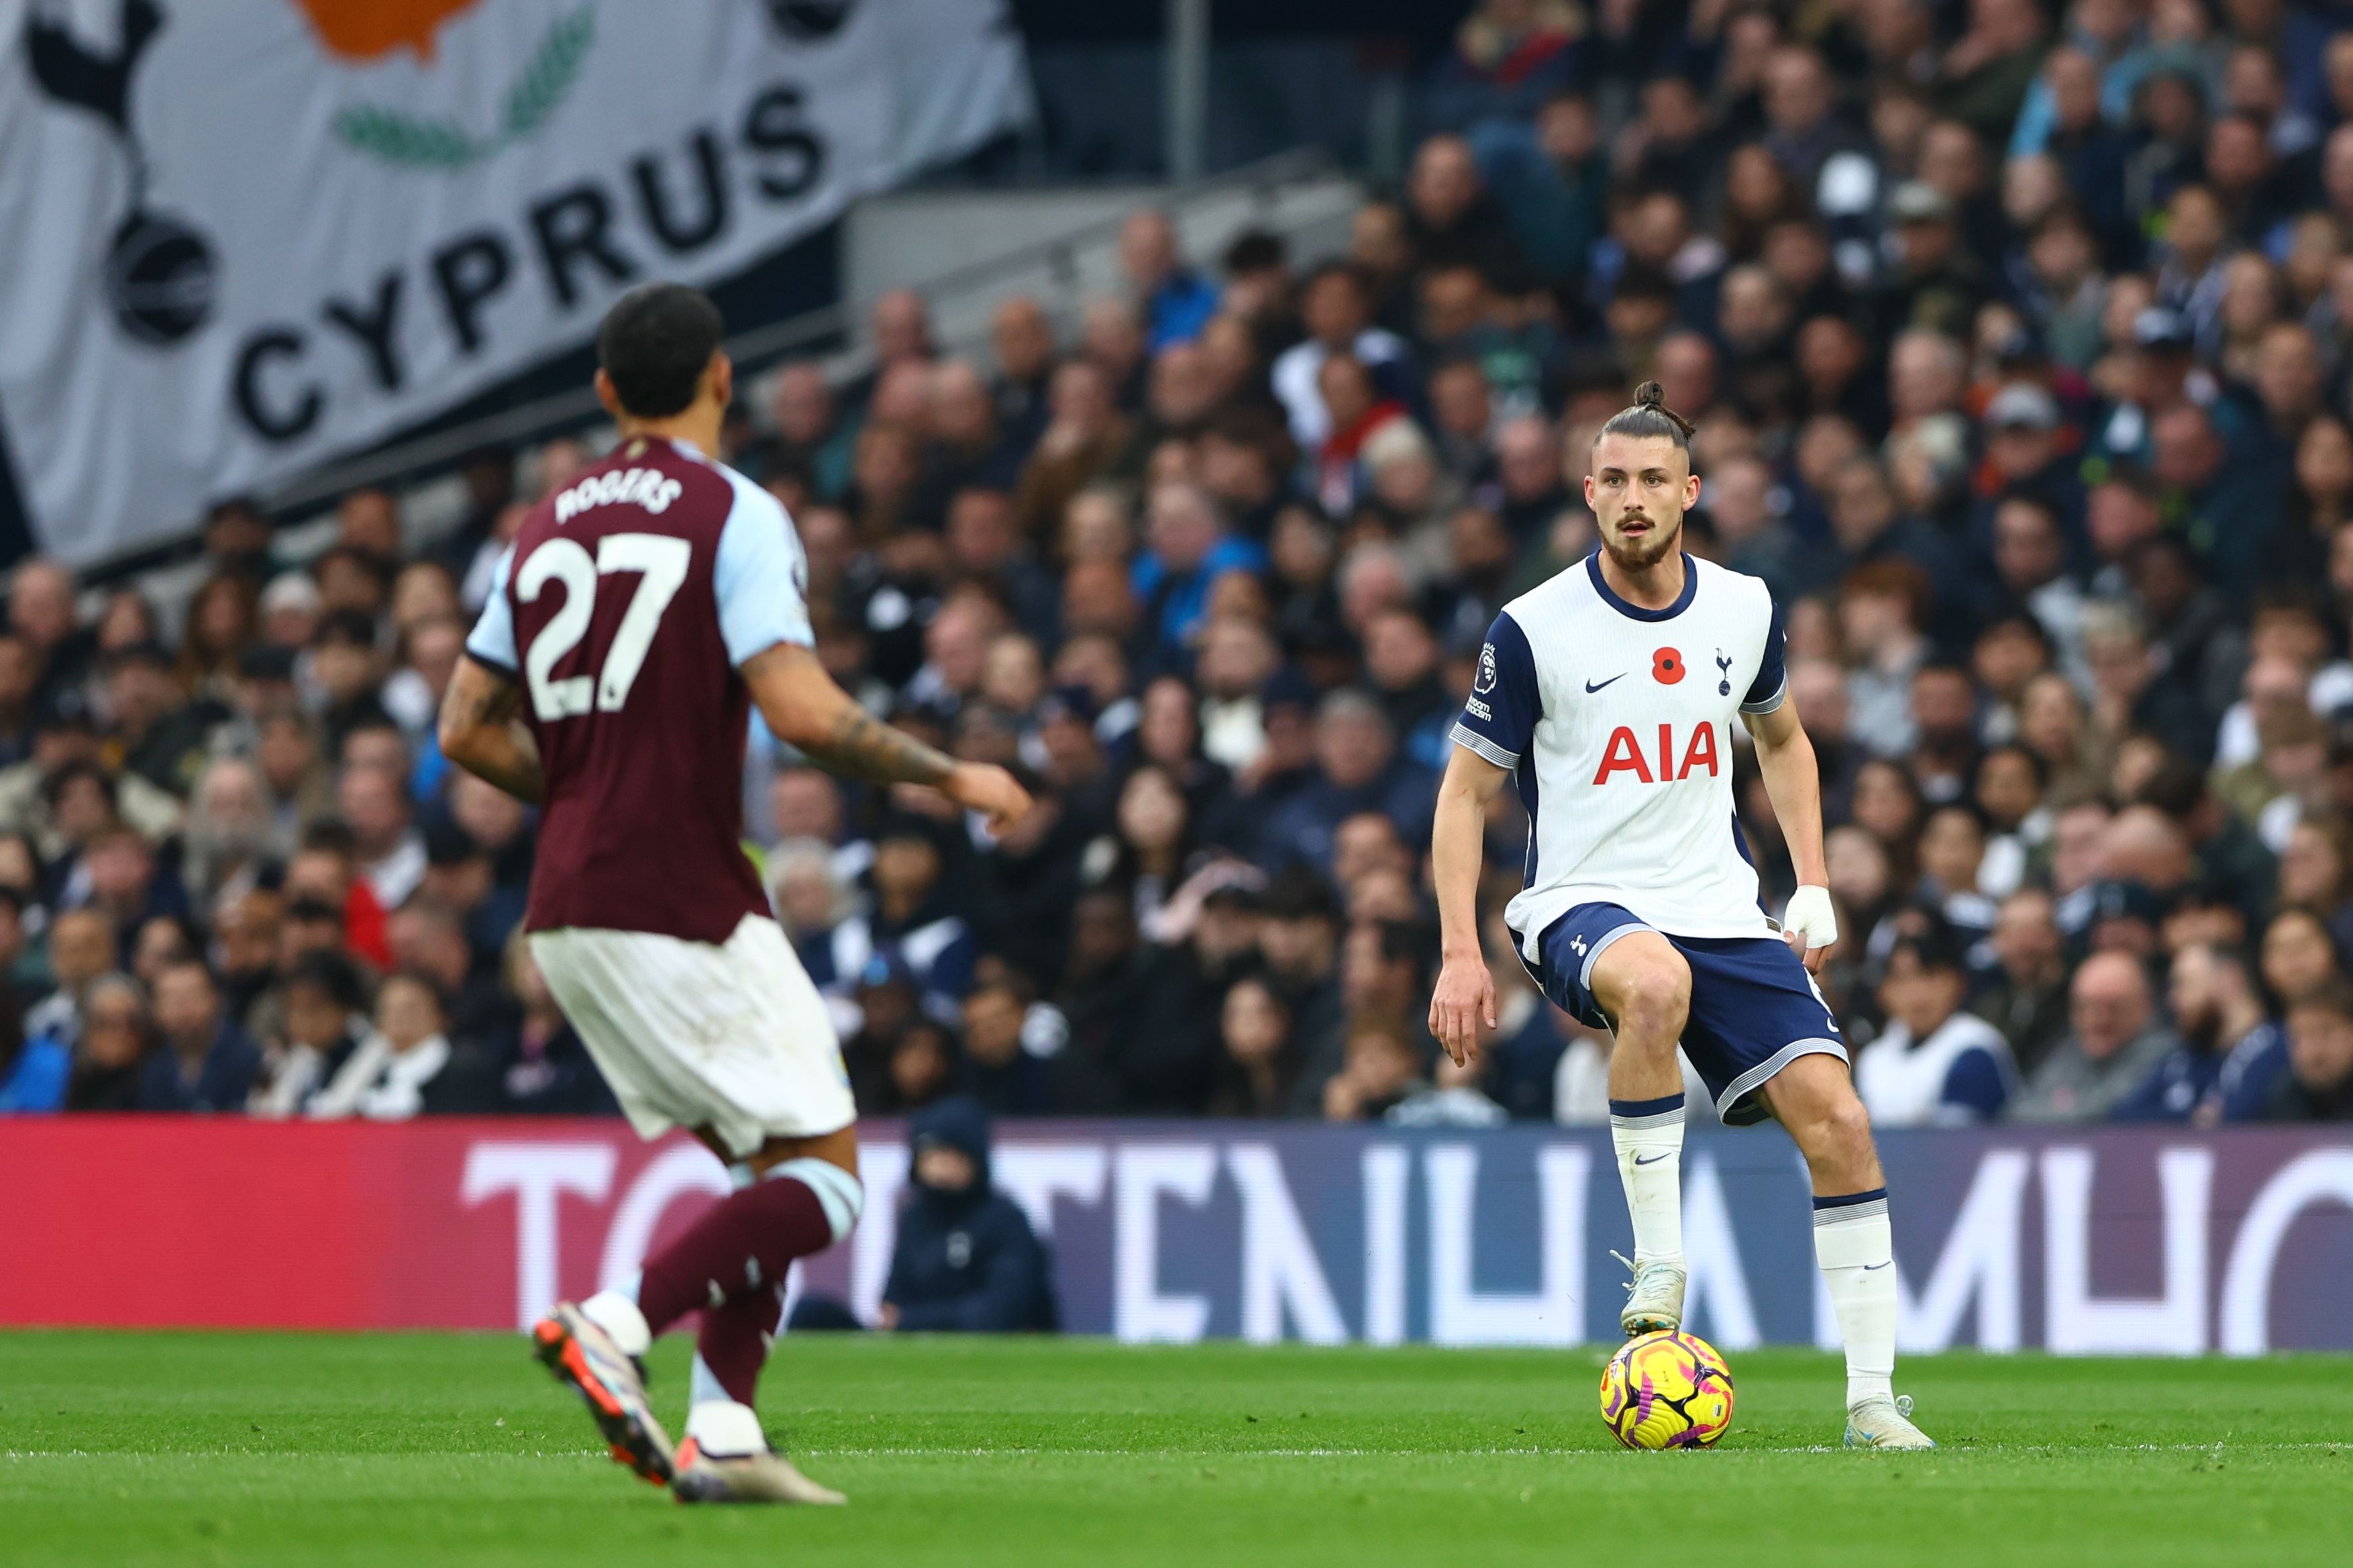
2018	345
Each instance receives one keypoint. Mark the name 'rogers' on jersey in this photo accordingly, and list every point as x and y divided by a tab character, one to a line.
1616	723
623	610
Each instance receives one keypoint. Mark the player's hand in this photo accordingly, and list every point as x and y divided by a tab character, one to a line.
1810	925
1463	998
988	789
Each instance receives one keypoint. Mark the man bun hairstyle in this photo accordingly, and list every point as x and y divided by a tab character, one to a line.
1650	416
654	344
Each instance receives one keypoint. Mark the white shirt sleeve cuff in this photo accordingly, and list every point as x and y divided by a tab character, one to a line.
1471	739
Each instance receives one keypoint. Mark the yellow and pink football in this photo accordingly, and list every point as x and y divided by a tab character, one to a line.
1666	1390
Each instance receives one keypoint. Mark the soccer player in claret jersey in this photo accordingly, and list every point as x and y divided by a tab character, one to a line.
1610	691
643	610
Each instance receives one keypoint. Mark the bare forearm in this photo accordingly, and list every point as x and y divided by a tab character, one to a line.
806	708
857	745
481	733
1793	783
508	757
1457	846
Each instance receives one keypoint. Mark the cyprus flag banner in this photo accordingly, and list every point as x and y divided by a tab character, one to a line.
239	236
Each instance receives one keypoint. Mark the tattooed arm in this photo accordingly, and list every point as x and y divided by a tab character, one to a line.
482	734
806	708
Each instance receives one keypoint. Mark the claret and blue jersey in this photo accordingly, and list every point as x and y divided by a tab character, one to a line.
1617	723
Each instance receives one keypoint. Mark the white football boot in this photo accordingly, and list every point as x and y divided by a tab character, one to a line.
1655	1300
585	1359
761	1477
1879	1422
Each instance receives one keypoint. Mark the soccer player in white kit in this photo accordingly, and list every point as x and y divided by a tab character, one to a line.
1610	692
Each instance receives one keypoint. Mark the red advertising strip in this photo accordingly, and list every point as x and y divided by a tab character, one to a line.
2120	1240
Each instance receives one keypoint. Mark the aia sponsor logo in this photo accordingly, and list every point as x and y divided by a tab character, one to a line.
1664	764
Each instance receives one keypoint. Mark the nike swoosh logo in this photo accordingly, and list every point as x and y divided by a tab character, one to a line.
1592	687
1869	1266
1651	1161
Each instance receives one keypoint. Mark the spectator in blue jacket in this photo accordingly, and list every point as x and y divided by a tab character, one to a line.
206	1062
1187	549
966	1261
1357	769
1175	300
2216	1011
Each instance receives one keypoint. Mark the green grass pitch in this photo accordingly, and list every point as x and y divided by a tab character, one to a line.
438	1449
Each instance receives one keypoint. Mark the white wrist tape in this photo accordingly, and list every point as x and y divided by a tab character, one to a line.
1809	913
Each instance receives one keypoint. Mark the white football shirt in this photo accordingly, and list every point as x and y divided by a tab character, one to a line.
1617	721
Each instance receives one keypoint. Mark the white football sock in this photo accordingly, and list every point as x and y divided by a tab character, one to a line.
1856	1249
1649	1137
719	1426
617	1315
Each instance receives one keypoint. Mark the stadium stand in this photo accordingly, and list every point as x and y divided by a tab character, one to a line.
2019	353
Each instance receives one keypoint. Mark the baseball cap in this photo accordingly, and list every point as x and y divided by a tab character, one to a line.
266	661
291	591
2023	404
2127	900
1074	702
146	651
2157	327
1918	201
447	844
64	709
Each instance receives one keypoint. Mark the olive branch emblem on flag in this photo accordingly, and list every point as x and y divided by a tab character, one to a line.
422	141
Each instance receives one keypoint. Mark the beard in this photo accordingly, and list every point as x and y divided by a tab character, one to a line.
1644	551
228	844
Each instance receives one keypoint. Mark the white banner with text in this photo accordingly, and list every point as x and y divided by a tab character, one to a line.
240	237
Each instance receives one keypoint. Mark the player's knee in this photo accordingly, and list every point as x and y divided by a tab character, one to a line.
1848	1126
1654	997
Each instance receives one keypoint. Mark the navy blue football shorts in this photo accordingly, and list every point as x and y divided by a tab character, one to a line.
1754	1008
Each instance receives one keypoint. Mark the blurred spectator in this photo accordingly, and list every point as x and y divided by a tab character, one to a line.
205	1062
1336	307
33	1068
1260	1060
542	1066
810	440
2027	1001
1380	1070
41	611
1507	55
1085	437
322	1003
2115	1042
1935	1065
1357	768
2016	337
965	1259
2216	1011
999	1074
914	922
111	1057
407	1065
1176	302
1186	549
2318	1084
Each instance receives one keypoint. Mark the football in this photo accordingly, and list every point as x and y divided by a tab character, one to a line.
1666	1390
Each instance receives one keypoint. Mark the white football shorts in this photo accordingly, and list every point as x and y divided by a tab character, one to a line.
735	1038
